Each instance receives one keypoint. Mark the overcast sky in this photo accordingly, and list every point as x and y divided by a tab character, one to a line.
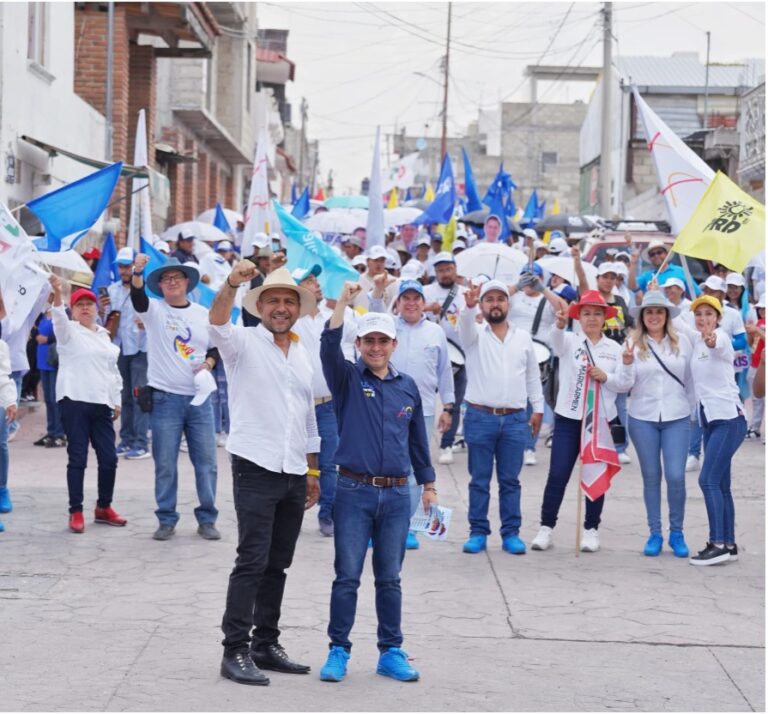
357	63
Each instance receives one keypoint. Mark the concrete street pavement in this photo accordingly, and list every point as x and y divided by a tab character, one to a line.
112	620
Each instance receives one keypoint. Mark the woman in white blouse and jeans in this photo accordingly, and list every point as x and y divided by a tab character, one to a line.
659	415
88	388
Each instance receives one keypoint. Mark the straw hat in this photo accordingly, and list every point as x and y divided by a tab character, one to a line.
280	278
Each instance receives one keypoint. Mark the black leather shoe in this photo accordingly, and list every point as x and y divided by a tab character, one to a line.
274	657
239	667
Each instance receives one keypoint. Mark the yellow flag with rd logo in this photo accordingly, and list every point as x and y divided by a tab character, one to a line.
727	227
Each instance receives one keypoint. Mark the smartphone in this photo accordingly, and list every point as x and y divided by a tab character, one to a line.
103	292
275	245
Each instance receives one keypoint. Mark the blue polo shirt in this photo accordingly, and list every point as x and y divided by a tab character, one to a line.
381	421
670	271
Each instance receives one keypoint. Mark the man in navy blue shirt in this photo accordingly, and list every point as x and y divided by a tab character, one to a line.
381	434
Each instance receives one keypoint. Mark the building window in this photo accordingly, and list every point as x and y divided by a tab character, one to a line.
548	158
36	32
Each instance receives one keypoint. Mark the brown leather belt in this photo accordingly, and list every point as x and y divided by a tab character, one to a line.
498	411
322	400
378	481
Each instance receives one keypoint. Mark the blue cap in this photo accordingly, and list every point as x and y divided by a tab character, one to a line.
566	292
299	275
536	269
407	285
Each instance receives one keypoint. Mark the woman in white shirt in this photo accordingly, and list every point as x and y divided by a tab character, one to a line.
659	414
88	388
7	415
587	353
722	418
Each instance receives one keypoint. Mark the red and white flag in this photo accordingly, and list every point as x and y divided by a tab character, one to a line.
600	462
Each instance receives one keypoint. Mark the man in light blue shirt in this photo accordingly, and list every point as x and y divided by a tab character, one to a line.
421	353
131	338
656	254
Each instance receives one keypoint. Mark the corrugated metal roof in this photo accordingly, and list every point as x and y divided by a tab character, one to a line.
685	70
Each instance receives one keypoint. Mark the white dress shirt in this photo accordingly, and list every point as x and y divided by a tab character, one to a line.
499	374
655	395
522	314
130	338
272	410
87	362
712	372
434	292
572	372
216	267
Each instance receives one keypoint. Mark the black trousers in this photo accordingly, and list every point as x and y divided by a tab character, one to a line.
270	509
85	422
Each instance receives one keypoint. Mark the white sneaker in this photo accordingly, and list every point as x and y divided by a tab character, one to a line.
446	456
543	539
590	541
624	458
530	458
221	439
183	445
692	463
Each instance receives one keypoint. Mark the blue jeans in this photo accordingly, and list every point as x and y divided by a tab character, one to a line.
133	422
566	443
4	457
54	426
329	442
722	438
16	377
459	389
362	512
621	410
694	441
171	416
654	441
503	438
220	399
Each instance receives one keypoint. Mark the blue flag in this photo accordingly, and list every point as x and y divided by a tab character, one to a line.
74	208
441	209
540	209
306	249
501	185
202	294
294	194
510	206
531	209
301	206
220	219
106	270
408	196
470	187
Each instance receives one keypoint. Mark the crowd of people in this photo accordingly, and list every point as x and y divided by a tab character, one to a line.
334	402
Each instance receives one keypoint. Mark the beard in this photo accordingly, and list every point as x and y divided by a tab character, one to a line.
496	316
445	283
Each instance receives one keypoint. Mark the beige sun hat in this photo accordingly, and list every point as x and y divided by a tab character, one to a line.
280	278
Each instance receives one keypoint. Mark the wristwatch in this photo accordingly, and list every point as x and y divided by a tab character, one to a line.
448	410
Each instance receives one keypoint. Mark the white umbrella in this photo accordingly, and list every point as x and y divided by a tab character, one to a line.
338	220
564	268
231	215
66	260
495	260
203	231
400	216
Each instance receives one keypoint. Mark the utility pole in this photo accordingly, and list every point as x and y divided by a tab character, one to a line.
606	145
303	110
706	86
444	142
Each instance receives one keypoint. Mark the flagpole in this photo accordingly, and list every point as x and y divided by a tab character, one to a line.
579	500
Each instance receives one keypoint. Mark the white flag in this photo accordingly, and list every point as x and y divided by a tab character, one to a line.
15	245
683	176
140	224
374	231
259	216
402	174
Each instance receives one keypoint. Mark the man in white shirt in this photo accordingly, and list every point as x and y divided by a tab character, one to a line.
503	376
274	443
674	290
215	266
376	260
178	355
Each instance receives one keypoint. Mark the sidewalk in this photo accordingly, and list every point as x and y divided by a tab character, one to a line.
112	620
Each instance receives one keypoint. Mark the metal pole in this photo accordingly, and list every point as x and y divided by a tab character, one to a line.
108	99
302	142
606	145
706	85
444	142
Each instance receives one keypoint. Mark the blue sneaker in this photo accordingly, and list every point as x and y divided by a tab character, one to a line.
513	544
2	527
653	546
394	663
411	542
335	667
475	544
678	544
5	501
370	542
122	449
136	454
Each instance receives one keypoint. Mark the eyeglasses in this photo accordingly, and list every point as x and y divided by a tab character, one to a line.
173	278
654	253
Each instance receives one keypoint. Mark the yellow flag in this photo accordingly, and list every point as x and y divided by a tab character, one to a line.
448	231
392	198
429	194
555	211
727	226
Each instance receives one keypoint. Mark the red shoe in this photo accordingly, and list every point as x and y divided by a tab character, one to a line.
76	522
109	516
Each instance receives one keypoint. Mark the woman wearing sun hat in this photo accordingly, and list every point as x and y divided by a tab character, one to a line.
588	353
722	418
88	389
659	414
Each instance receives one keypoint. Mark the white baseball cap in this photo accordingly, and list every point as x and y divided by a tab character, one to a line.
715	283
412	270
673	283
424	240
493	285
735	279
558	245
621	269
606	267
530	233
444	257
377	251
162	246
458	244
358	260
124	256
376	322
224	245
